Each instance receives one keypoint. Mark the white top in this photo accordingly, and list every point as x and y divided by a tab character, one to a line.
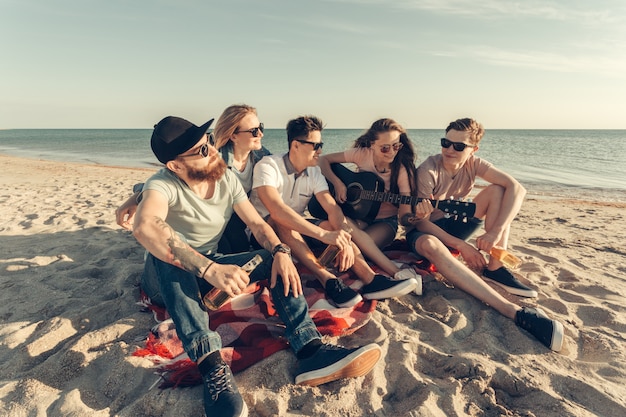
245	176
296	190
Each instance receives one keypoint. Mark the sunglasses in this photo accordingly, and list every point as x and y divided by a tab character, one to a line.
203	151
396	147
458	146
255	130
316	145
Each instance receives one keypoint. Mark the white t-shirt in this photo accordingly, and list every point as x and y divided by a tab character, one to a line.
278	172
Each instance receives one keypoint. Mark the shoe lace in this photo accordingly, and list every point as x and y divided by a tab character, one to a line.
329	348
218	381
336	286
529	318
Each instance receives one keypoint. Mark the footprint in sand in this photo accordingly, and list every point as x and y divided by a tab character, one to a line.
547	243
571	297
597	401
567	276
578	263
50	220
593	316
596	291
28	223
596	347
555	305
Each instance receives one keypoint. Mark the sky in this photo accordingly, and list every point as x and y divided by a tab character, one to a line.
533	64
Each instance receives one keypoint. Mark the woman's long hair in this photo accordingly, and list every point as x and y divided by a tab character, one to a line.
405	157
228	123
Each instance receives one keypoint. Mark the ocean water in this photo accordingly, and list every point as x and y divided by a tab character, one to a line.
582	164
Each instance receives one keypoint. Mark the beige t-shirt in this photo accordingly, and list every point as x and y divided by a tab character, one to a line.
433	179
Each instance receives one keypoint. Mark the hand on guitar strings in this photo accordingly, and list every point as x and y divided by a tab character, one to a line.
423	210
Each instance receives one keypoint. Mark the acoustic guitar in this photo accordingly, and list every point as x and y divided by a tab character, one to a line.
366	191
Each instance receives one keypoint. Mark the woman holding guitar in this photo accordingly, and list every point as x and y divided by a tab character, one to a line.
386	150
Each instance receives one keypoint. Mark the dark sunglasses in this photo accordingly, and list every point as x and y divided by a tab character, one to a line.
203	151
458	146
316	145
255	130
396	147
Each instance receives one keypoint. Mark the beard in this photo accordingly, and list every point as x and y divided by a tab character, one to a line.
212	172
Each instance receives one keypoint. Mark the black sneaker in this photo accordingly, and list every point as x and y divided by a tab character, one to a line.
384	287
341	295
536	322
506	280
330	363
221	395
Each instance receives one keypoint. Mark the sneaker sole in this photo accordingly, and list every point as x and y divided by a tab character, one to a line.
350	303
557	337
419	288
358	363
396	291
512	290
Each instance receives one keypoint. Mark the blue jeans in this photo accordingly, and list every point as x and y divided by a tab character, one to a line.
180	293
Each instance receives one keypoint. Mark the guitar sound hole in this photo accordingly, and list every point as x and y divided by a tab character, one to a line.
353	194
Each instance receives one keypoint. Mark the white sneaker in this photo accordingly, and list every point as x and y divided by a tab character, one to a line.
408	273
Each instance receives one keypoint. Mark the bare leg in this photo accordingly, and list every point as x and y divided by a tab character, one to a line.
370	248
361	268
301	251
461	276
488	205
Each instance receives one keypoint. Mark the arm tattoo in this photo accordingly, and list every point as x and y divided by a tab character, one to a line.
404	221
266	244
181	254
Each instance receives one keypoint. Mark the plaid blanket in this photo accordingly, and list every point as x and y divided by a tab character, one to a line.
250	327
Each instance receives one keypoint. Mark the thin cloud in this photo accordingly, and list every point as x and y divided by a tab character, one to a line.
607	65
590	13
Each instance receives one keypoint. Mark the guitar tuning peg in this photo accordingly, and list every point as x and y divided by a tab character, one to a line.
447	215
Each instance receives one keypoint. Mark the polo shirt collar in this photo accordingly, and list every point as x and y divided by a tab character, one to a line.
290	168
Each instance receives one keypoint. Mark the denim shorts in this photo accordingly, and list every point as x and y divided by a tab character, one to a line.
391	221
457	228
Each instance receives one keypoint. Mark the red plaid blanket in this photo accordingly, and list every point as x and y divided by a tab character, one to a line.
250	328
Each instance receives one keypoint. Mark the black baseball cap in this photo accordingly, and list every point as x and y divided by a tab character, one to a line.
173	136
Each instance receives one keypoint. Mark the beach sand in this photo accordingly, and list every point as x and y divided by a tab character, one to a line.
69	323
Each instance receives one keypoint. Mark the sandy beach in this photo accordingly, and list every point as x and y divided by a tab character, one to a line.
69	321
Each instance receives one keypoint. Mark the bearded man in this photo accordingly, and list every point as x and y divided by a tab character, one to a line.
183	212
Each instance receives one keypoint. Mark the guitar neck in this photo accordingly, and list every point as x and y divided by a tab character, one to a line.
385	197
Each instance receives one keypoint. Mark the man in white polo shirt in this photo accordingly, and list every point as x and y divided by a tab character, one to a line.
282	187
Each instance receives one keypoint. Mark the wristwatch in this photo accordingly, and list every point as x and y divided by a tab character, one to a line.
281	247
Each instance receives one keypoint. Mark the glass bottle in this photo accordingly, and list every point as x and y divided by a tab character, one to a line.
328	256
507	258
216	298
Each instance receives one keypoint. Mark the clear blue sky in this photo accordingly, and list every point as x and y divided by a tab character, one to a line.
125	64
